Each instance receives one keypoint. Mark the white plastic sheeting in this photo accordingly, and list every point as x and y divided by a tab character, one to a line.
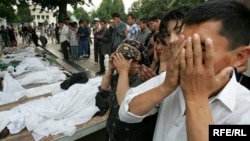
12	89
50	74
55	114
29	64
19	55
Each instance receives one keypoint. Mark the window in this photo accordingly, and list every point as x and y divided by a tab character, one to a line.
38	16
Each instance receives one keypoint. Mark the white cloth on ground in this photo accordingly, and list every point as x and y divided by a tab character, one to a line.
30	64
50	74
11	89
19	55
53	88
55	114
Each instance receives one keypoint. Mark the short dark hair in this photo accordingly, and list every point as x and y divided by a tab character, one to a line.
81	21
160	15
116	14
104	21
131	15
74	24
177	13
160	37
144	20
87	21
60	21
234	17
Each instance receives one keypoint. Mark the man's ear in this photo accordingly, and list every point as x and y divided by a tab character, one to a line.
241	59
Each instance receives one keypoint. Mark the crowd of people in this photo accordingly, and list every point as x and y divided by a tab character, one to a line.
8	35
188	78
29	34
171	76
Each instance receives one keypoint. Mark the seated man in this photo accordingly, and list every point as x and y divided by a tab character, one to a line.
200	88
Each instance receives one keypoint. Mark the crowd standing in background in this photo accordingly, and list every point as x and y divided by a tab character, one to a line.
169	76
96	32
199	83
105	43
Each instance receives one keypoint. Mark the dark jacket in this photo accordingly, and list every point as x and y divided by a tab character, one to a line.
121	131
106	42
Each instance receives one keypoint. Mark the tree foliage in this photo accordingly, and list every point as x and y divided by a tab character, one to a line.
118	6
148	8
107	7
7	10
27	17
80	13
59	5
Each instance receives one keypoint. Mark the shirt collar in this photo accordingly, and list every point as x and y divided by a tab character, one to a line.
182	101
227	95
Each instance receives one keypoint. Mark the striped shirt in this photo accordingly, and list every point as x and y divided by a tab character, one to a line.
73	38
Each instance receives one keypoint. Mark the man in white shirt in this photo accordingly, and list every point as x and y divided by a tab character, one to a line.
64	32
200	88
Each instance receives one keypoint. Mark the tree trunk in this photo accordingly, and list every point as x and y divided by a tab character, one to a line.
62	10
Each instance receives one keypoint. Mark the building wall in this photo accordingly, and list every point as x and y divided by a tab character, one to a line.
41	17
3	21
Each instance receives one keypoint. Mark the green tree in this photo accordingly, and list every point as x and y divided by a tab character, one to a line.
69	13
27	17
61	4
148	8
80	13
6	9
135	8
107	7
93	14
118	6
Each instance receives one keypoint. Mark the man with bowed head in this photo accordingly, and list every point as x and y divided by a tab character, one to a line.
199	87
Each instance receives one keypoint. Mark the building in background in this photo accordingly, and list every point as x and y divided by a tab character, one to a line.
3	21
41	17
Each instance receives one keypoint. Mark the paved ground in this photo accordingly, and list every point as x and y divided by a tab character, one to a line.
86	65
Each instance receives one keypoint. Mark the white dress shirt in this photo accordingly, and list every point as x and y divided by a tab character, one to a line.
230	106
64	33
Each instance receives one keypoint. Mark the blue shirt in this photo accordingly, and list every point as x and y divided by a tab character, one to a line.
83	33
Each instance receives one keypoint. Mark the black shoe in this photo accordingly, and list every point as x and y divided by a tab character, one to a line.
100	72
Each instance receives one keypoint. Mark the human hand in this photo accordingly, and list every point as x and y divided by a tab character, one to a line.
111	64
121	64
152	41
155	55
99	36
197	78
145	73
164	57
172	79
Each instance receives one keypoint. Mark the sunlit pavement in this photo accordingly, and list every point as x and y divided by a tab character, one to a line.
74	66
